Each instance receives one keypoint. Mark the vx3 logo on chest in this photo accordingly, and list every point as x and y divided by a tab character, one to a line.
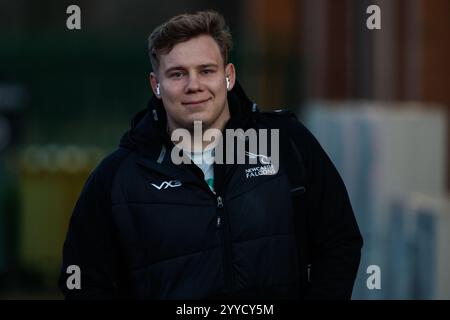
167	184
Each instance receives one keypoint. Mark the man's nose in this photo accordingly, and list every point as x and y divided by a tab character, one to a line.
193	83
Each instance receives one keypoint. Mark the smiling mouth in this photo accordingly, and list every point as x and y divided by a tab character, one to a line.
193	103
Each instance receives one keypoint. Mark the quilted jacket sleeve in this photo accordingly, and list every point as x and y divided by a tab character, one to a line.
333	237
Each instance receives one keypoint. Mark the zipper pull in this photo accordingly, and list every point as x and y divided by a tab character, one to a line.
219	222
219	202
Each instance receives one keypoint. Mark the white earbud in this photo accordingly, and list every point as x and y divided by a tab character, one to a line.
158	92
228	83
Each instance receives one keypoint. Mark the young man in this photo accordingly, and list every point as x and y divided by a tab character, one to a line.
147	227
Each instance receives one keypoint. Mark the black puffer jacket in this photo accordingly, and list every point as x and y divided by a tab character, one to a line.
146	228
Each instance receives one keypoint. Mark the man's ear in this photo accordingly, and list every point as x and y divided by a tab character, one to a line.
154	84
230	73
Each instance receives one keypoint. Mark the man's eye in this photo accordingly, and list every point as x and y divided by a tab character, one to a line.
176	75
207	71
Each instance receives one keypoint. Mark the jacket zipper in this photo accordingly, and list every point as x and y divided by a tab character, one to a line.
224	226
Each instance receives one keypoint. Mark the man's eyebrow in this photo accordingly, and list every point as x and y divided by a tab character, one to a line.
174	68
202	66
208	65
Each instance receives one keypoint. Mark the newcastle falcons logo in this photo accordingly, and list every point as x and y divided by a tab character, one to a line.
167	184
264	159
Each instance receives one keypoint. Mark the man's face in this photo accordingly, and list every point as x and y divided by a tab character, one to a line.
193	86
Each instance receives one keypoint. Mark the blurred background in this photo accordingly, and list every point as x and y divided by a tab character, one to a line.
377	100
